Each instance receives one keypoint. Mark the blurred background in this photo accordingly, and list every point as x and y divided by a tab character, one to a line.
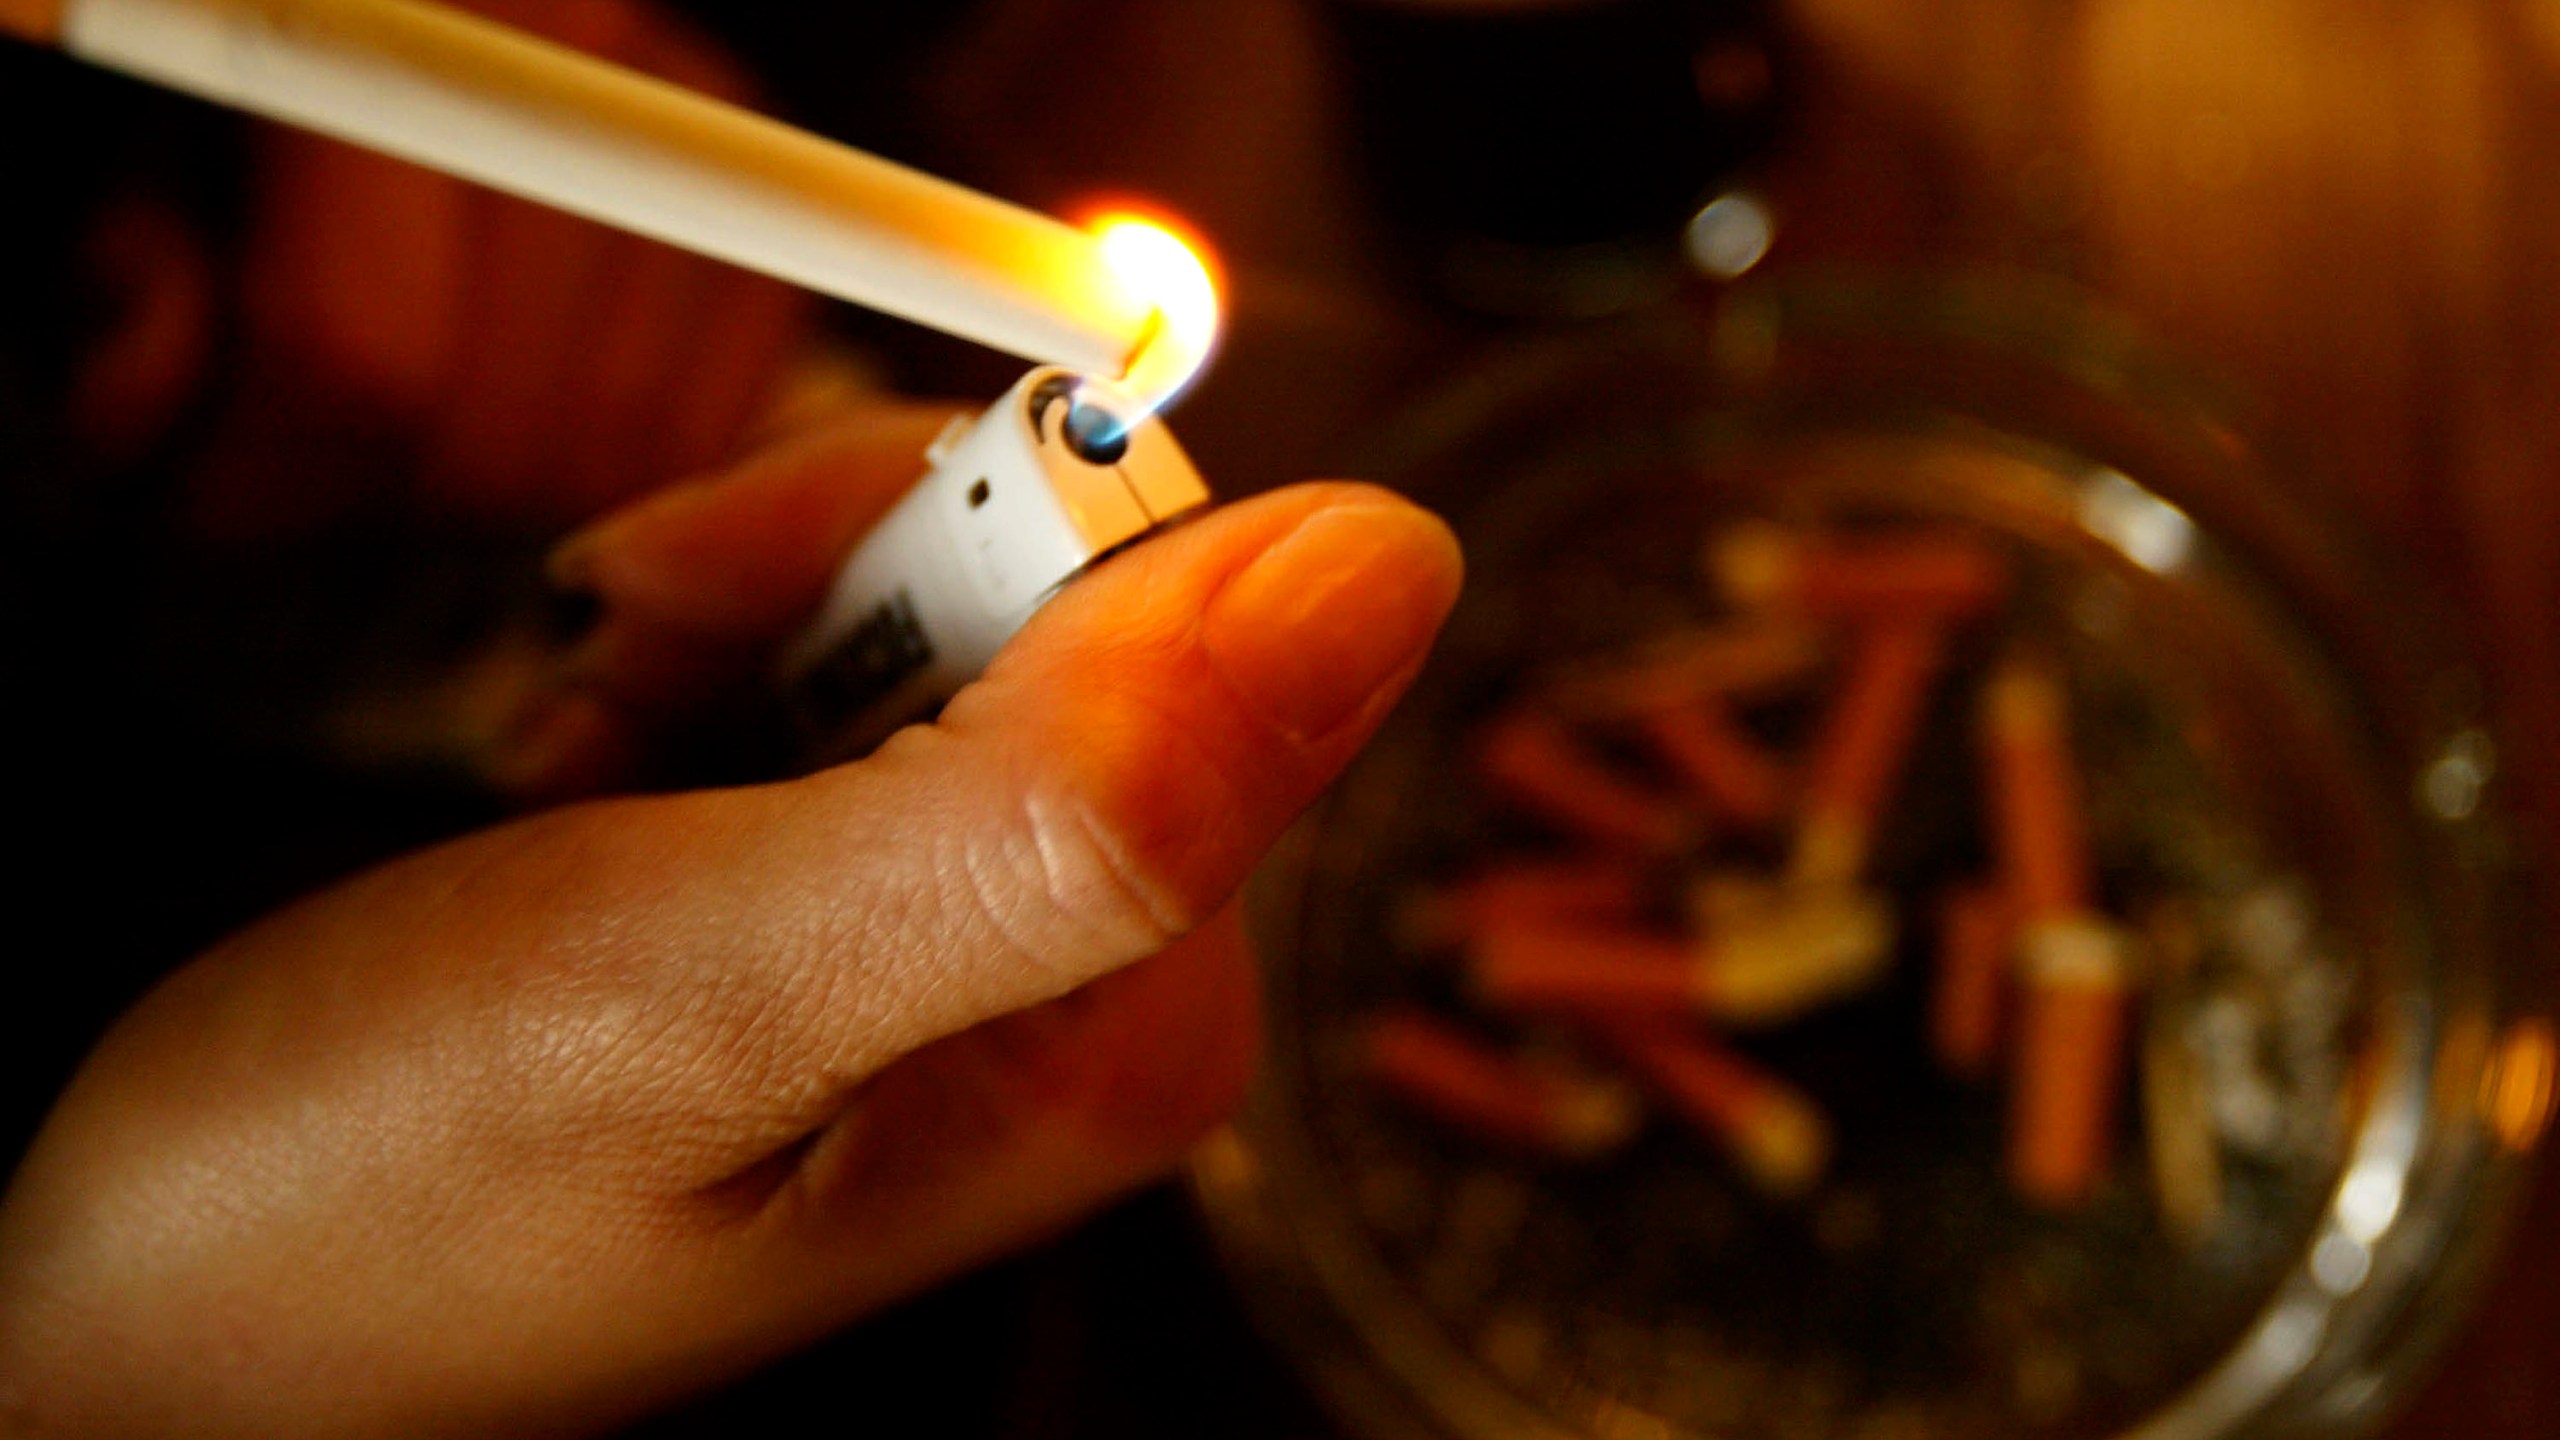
2345	217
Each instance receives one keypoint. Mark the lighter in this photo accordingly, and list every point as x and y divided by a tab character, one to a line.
1052	478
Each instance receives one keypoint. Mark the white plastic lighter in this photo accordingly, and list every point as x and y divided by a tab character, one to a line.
1053	477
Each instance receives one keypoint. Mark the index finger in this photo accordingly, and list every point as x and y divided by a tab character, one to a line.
688	592
741	556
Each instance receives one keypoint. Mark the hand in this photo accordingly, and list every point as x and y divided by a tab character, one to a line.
531	1131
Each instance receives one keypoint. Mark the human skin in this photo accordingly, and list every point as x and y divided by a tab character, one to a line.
535	1130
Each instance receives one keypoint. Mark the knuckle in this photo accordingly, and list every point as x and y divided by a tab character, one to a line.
1098	870
1127	839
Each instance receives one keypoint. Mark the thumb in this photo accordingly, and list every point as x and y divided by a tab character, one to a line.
545	1104
1090	806
1125	762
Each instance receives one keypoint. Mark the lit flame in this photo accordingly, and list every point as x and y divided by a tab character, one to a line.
1169	272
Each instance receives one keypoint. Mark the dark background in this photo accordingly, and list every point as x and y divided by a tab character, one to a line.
2350	212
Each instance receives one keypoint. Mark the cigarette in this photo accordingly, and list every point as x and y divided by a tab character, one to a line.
2070	1047
1541	766
1556	966
1517	893
486	103
2073	969
1724	900
1451	1076
1813	948
1700	742
2177	1121
1774	1133
2177	1101
1975	933
1858	755
2037	831
1765	567
1681	667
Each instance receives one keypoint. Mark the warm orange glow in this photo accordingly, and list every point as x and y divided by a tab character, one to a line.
2517	1092
1157	261
37	20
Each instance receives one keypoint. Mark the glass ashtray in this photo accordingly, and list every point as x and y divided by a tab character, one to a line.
1919	897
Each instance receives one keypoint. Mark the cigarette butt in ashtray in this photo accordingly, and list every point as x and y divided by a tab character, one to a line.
2075	969
2038	831
1720	901
1762	566
2177	1098
1701	742
1526	1103
1539	764
1730	660
1521	892
1815	948
1977	930
1858	754
1776	1135
1559	966
2069	1057
2177	1125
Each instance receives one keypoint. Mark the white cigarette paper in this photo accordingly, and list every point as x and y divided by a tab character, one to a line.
489	104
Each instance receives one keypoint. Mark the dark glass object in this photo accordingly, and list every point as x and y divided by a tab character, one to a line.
1542	156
